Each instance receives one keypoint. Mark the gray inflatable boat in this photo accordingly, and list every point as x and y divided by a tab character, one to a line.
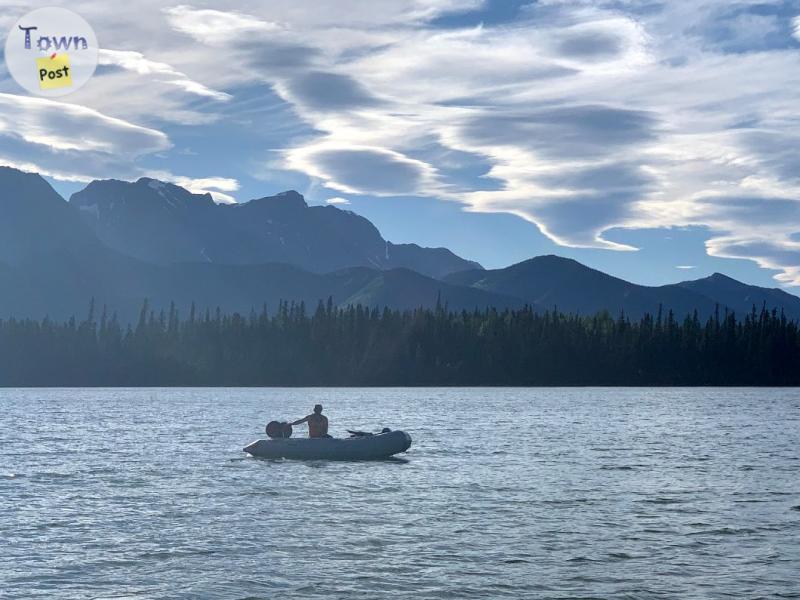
368	447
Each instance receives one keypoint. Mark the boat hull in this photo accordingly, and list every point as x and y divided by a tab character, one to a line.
372	447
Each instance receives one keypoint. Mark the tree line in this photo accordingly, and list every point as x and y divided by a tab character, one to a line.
360	346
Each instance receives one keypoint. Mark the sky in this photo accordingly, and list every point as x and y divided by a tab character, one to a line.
657	141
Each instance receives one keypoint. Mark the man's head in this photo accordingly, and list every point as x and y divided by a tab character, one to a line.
318	409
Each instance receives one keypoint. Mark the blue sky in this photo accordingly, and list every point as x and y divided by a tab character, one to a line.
655	141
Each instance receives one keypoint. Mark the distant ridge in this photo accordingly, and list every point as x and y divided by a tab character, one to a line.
741	297
121	243
34	218
163	223
552	281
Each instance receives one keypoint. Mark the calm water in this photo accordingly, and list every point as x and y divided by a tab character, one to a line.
538	493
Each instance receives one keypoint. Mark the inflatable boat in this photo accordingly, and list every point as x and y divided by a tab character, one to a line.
367	447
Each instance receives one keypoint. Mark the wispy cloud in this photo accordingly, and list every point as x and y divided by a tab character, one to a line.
69	141
218	187
362	169
215	26
162	72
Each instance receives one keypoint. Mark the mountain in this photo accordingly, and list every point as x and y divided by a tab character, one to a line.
52	264
56	256
163	223
741	297
35	219
553	281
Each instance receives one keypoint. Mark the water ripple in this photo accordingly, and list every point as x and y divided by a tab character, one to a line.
572	493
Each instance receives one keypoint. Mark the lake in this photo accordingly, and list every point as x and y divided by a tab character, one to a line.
505	493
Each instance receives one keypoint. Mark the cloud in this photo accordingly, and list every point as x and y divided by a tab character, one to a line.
774	146
74	143
781	255
338	201
70	141
604	43
530	144
362	170
565	132
318	90
741	27
752	213
137	63
613	176
63	126
133	61
215	26
271	58
587	118
194	87
579	220
685	267
761	229
216	186
589	45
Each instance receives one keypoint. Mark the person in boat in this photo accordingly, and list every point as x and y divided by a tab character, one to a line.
317	423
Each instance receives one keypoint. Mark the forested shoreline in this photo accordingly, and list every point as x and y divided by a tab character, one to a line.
357	346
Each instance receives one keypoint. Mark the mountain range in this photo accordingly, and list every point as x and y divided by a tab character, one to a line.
563	283
121	242
163	223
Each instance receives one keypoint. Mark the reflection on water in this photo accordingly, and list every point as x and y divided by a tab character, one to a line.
538	493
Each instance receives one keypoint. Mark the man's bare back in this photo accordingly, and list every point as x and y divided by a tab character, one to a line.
317	423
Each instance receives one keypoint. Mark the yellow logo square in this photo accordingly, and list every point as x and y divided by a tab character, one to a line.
54	71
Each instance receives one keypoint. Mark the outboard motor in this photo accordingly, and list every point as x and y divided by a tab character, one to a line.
279	429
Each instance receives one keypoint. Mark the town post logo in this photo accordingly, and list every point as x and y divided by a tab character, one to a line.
51	51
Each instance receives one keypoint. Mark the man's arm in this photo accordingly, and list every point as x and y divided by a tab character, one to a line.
303	420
